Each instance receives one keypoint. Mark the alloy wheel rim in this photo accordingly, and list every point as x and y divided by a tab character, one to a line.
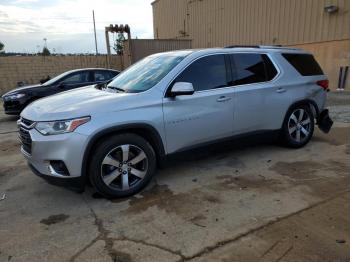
124	167
299	125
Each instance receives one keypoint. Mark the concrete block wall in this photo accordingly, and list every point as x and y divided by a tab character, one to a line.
31	69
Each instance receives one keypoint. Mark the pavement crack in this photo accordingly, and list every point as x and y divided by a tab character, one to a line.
72	259
177	253
270	248
285	253
103	235
109	242
219	244
8	132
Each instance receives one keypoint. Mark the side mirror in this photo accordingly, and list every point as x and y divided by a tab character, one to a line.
101	85
181	88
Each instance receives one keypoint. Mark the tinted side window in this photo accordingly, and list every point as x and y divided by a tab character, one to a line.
75	78
113	73
271	70
305	64
205	73
102	75
248	69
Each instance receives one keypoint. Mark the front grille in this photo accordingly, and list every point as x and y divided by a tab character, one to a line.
26	121
11	103
24	126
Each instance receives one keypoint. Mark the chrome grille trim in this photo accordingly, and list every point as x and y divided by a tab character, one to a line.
24	126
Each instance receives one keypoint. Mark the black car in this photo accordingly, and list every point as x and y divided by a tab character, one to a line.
16	100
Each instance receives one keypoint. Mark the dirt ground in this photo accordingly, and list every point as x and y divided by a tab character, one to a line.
250	200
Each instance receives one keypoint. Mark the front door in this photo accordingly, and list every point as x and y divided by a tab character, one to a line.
208	113
77	79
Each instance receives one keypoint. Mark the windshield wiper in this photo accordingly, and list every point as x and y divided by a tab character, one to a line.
116	88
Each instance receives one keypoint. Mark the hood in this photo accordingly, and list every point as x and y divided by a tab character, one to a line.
23	89
77	103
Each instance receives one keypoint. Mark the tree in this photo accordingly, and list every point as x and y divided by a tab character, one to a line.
2	46
119	44
46	52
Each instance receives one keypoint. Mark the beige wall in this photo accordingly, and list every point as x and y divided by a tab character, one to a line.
301	23
331	56
31	69
145	47
227	22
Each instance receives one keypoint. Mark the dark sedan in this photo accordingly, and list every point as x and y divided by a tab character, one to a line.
16	100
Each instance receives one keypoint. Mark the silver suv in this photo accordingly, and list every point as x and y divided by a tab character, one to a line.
115	137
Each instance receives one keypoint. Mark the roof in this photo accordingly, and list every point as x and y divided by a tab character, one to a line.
232	49
276	49
84	69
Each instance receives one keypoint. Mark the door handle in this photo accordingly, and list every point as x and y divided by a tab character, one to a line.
281	90
223	99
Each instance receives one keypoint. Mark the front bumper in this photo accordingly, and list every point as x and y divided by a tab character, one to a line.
14	107
68	148
76	184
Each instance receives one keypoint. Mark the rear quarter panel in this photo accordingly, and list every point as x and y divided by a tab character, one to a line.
298	88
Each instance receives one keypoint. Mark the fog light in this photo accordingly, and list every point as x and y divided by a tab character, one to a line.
59	167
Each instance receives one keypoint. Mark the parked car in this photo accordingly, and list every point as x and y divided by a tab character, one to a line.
167	103
16	100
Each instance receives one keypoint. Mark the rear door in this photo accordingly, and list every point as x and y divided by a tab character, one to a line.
251	78
208	113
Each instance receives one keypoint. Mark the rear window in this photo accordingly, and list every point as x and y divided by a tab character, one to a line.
305	64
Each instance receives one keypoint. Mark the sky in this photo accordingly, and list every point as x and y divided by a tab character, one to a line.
67	24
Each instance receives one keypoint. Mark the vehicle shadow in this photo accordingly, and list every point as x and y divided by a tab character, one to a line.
207	154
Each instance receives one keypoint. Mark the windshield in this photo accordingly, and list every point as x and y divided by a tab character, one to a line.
56	78
146	73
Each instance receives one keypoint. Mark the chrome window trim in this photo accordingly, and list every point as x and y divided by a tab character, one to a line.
233	86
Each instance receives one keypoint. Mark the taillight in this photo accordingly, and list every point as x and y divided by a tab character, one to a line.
324	84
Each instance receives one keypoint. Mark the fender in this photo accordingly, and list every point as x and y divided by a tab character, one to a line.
151	135
303	102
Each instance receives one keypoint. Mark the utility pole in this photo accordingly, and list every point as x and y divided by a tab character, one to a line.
108	47
93	17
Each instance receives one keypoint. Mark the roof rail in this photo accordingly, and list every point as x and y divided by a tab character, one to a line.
263	46
279	47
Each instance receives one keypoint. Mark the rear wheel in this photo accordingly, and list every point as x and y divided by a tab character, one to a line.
122	165
298	126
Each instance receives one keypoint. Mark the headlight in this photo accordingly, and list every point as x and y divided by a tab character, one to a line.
60	126
15	96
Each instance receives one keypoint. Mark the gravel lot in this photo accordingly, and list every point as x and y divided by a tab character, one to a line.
243	201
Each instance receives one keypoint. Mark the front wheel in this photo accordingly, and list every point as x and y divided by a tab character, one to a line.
122	165
298	126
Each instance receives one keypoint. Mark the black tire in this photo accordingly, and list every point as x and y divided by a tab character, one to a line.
104	149
291	139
